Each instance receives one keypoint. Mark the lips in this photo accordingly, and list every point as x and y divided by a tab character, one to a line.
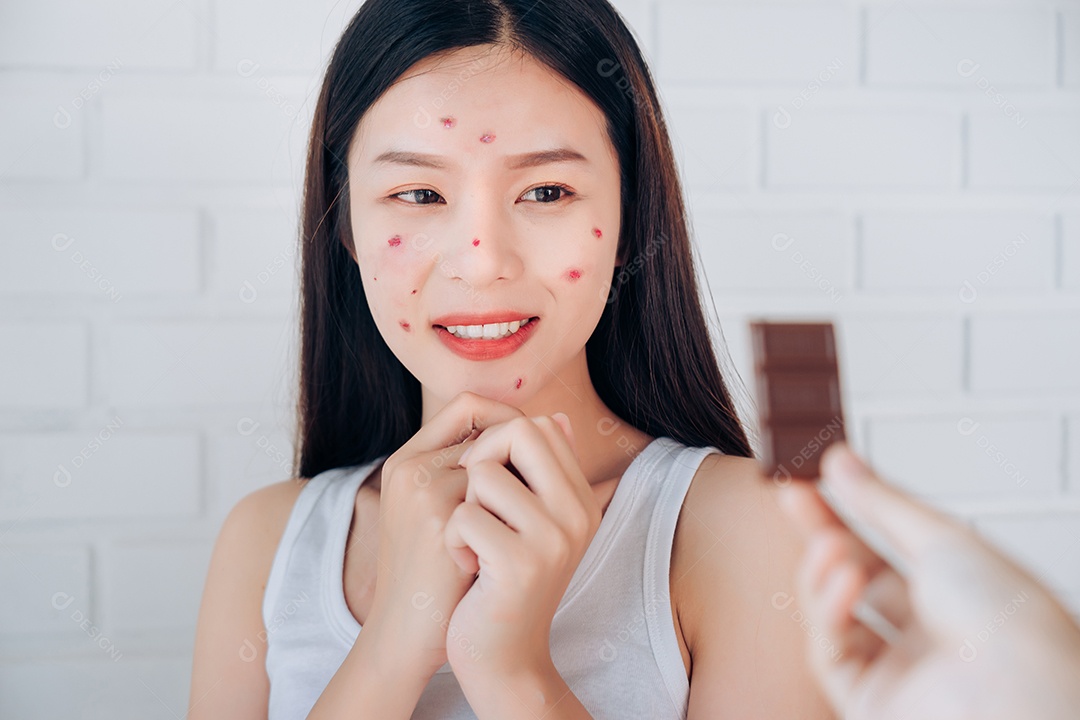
482	349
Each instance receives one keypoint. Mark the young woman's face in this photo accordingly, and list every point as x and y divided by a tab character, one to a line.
484	231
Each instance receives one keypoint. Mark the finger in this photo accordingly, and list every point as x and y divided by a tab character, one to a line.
823	552
884	517
889	594
524	445
564	452
564	421
500	493
844	647
831	606
840	671
829	585
886	592
555	437
836	543
456	422
473	528
800	502
423	469
838	652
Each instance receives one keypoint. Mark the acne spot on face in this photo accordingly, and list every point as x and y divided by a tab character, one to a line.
476	241
597	233
573	274
487	138
394	241
405	325
448	122
518	384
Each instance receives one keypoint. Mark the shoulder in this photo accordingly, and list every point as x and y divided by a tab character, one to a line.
730	521
255	524
254	527
267	509
736	552
230	615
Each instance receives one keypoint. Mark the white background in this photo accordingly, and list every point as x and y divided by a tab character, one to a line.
910	170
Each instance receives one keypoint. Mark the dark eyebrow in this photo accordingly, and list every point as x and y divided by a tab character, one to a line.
514	162
545	157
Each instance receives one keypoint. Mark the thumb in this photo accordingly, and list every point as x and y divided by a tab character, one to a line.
564	422
878	512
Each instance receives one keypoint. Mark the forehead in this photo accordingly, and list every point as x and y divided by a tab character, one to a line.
522	101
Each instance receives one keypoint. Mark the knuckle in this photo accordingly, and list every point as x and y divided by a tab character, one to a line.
466	511
466	397
579	524
522	424
479	478
559	547
546	421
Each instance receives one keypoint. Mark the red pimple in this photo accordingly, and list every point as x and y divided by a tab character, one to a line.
476	241
574	274
597	233
376	278
487	137
405	325
518	385
413	292
394	241
448	122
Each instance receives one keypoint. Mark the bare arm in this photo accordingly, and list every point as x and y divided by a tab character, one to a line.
229	672
745	629
374	681
228	676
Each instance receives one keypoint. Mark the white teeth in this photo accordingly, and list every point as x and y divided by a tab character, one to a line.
491	331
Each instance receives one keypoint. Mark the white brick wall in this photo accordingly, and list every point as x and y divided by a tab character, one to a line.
911	170
899	149
1013	45
959	245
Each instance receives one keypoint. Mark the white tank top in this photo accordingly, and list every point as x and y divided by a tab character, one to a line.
612	637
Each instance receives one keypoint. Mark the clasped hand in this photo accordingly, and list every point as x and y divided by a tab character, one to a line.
525	537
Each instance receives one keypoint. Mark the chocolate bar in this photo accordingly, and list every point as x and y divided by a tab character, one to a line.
798	387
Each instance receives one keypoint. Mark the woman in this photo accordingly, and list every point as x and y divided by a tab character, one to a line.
496	258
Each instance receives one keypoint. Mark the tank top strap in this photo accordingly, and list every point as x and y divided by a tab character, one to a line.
315	503
674	478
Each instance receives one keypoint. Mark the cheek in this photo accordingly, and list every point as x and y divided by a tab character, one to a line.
586	251
392	258
391	266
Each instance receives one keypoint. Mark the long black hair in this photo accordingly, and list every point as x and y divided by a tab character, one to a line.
650	357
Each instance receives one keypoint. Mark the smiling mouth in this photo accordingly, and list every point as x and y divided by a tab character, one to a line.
488	348
487	331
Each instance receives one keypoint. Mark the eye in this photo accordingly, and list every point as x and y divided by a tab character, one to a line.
547	196
415	194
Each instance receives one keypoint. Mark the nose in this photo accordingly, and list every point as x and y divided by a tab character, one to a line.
482	248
